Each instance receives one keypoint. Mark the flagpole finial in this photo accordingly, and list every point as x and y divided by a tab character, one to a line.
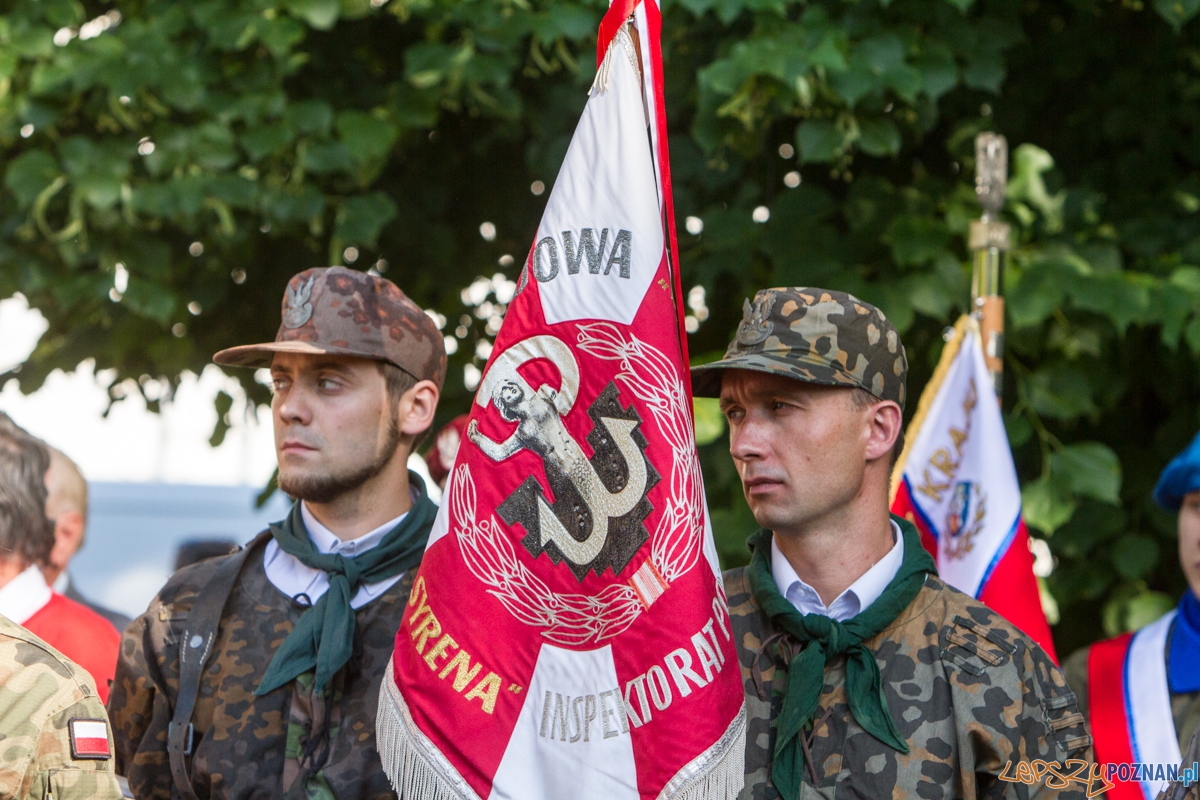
989	239
991	172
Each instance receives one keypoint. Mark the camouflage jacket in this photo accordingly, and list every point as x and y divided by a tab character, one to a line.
1185	706
971	694
41	693
247	746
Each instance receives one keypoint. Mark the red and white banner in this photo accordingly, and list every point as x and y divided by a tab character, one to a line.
567	633
957	483
1130	706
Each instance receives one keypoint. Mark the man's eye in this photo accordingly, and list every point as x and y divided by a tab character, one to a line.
278	384
328	384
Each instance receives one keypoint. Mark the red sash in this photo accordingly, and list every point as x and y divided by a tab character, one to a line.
1107	701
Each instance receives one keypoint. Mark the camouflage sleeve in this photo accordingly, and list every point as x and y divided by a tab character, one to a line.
1013	707
146	683
41	693
60	774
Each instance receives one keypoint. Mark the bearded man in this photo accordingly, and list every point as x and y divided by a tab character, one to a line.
257	674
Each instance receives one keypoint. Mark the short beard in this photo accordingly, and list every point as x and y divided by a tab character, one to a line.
327	488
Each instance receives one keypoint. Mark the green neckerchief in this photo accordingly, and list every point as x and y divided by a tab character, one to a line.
324	636
823	639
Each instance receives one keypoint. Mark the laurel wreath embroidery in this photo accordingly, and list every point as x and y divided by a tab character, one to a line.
675	546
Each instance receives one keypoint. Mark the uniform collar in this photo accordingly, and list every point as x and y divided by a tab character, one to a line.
327	541
857	597
24	595
1184	659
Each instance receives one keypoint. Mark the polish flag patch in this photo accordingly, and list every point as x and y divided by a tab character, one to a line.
89	739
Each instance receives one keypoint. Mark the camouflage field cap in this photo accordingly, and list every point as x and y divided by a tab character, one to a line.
813	335
350	313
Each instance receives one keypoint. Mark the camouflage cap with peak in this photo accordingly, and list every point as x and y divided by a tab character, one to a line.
345	312
813	335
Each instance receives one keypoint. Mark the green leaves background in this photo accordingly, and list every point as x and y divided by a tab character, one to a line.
215	147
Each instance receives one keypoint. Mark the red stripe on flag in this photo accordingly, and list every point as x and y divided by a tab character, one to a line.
1012	592
614	18
618	12
91	747
654	21
904	508
1107	703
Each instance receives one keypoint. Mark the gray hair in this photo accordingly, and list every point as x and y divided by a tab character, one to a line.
25	532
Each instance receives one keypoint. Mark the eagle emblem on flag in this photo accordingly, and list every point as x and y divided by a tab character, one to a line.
965	517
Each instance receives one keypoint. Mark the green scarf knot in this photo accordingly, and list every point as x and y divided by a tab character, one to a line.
324	636
818	640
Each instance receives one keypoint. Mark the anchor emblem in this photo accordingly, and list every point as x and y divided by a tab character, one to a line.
596	519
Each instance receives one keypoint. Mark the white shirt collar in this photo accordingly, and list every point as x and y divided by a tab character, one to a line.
293	578
24	595
858	596
327	541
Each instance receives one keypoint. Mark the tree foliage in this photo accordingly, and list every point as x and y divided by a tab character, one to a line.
167	165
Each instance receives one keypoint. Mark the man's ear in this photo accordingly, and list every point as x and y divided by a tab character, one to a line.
68	538
417	407
885	422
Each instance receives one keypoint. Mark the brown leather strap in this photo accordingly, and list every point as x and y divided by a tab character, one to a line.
200	631
786	647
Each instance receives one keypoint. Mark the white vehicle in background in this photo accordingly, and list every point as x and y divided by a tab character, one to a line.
135	531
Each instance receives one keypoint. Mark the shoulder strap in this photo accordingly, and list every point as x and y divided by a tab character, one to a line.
200	630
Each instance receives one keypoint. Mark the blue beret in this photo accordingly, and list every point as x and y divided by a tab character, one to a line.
1181	476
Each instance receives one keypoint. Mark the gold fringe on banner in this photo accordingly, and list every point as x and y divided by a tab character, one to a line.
965	323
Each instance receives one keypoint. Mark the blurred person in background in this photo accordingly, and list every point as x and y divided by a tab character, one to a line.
440	457
67	505
67	508
257	674
1148	682
26	541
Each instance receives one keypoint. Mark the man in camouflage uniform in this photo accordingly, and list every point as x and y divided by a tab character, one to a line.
865	675
357	369
45	752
